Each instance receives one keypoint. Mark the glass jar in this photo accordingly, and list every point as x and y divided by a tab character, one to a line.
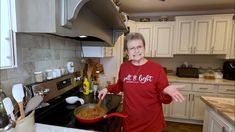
38	76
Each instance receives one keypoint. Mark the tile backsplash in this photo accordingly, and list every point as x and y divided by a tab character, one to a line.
38	52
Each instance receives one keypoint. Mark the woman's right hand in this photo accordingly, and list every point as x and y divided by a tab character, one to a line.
102	93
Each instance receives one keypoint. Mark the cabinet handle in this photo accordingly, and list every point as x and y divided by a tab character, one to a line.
203	88
224	129
212	49
189	97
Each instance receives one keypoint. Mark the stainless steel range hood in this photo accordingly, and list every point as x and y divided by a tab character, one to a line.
97	19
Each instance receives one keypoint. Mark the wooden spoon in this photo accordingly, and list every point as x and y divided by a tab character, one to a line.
98	105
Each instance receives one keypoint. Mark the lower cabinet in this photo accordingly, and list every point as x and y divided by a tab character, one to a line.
192	108
213	122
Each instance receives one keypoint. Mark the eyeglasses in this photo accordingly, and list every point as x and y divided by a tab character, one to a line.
135	48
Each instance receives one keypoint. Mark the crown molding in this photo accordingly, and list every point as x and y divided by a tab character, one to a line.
180	13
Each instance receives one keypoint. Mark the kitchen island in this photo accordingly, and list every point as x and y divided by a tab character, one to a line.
219	114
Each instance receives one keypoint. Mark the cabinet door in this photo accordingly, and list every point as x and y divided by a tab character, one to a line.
165	108
198	106
202	37
163	40
185	34
146	29
216	123
180	110
221	35
8	38
131	25
232	46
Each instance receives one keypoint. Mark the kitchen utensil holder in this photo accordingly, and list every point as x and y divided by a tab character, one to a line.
26	124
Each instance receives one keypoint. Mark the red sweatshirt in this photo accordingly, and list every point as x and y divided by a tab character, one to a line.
143	96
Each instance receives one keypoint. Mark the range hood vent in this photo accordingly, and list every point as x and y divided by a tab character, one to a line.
97	19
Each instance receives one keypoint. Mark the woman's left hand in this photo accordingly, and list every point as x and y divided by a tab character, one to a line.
173	91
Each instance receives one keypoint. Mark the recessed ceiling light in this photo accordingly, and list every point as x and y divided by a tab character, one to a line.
82	36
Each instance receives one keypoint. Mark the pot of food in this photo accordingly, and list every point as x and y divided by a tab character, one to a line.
90	113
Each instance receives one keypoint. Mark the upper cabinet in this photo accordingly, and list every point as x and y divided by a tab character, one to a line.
146	29
8	44
193	35
221	36
207	34
232	45
33	16
70	18
163	35
158	38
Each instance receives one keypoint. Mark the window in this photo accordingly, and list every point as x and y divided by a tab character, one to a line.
7	45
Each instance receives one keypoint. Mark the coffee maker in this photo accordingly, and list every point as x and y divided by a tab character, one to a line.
229	70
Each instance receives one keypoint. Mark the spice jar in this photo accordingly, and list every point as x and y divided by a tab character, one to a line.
49	74
38	76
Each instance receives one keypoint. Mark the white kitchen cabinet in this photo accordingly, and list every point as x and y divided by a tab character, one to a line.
231	49
158	38
132	26
163	39
221	36
181	110
33	16
206	34
92	51
8	57
192	108
193	34
227	91
213	122
197	106
146	29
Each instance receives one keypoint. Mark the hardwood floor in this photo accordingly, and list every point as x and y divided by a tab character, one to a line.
182	127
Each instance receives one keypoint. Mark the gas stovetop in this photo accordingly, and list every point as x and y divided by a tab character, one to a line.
60	113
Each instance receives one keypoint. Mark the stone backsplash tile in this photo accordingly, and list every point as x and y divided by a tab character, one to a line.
33	54
3	75
38	52
33	41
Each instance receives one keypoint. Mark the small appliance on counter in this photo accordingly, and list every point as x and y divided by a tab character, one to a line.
187	72
229	70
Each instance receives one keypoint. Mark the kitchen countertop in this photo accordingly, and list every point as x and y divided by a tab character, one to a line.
51	128
172	78
223	106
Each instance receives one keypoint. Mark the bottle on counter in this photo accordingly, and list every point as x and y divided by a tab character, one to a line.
86	86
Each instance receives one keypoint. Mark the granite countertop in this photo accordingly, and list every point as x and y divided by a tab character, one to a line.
172	78
223	106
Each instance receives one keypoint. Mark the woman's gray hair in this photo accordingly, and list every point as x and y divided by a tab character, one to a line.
133	36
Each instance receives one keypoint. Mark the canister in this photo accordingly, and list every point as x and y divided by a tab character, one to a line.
38	76
49	74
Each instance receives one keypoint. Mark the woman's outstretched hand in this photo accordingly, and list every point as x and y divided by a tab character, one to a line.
173	91
102	93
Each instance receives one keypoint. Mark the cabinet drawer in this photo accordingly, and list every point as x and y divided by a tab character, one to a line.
187	86
227	89
204	88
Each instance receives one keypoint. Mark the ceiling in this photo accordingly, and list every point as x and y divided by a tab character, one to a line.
151	6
